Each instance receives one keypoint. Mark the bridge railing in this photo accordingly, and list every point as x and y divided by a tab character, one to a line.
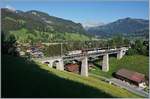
108	51
95	53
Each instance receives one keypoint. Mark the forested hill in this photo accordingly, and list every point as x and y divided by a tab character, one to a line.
37	25
126	26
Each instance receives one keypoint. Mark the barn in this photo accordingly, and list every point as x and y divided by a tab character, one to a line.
131	77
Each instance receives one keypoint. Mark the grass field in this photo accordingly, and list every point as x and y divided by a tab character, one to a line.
137	63
21	78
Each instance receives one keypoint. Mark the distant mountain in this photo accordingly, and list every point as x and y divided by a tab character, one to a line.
37	25
125	26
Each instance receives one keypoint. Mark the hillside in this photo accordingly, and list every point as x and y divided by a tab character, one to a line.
127	26
38	26
138	63
21	78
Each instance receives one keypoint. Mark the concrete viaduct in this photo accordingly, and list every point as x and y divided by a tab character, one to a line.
84	59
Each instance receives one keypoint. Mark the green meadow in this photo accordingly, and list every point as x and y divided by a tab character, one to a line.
138	63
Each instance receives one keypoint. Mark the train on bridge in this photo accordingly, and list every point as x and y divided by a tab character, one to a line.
83	56
89	51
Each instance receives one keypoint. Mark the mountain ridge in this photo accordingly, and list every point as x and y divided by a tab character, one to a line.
126	26
44	19
34	23
36	26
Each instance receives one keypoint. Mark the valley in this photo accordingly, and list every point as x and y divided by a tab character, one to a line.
64	51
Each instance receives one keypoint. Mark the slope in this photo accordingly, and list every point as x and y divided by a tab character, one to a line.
126	26
22	78
38	26
138	63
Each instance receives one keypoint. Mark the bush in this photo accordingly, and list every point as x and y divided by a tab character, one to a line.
139	47
132	51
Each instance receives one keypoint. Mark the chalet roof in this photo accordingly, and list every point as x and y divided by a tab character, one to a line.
71	65
131	75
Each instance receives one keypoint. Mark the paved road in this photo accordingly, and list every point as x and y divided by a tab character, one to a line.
131	88
124	85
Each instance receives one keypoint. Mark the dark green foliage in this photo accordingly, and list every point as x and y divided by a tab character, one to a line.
118	40
53	50
126	41
8	44
139	47
132	51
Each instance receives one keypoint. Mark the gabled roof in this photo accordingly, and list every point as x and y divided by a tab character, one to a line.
131	75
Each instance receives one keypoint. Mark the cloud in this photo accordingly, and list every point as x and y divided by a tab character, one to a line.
10	7
92	24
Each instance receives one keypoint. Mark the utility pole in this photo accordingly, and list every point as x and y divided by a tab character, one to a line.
61	49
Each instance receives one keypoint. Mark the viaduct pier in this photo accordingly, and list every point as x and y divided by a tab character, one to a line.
83	57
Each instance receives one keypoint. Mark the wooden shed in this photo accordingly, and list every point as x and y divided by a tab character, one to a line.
130	76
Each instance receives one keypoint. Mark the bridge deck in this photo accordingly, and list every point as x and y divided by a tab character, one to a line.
80	56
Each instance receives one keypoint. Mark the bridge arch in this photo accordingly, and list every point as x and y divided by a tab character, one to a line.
104	55
55	63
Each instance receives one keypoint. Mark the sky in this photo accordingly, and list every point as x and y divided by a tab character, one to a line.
88	13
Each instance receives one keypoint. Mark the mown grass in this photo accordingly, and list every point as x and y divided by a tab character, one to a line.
138	63
21	78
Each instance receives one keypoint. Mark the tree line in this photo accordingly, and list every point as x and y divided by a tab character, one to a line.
137	47
140	47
